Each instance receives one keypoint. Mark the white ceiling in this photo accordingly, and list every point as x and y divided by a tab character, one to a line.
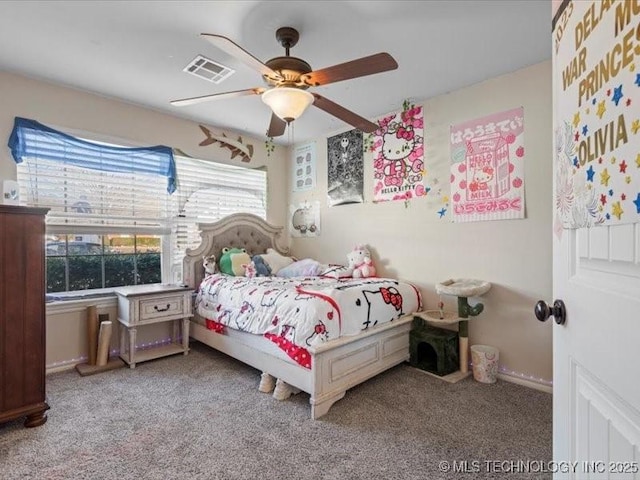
135	50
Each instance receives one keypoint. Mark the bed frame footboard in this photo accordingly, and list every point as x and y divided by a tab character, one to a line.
335	366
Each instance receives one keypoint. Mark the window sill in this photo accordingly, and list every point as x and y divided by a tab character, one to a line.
66	302
76	304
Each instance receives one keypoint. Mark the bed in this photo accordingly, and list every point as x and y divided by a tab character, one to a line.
348	349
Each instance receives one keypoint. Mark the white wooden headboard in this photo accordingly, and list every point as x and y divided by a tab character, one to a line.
240	230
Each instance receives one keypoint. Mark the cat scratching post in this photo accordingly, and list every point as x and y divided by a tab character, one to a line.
463	288
104	339
93	324
99	332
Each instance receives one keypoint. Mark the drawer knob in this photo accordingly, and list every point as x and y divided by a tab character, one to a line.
155	307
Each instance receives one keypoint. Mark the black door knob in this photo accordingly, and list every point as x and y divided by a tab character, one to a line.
544	311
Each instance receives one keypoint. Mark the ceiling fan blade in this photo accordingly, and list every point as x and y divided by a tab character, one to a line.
343	114
276	126
378	63
232	48
217	96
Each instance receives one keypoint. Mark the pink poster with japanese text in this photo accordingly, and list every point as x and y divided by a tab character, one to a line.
487	167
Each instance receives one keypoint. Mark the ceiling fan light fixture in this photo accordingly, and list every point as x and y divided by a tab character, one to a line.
287	103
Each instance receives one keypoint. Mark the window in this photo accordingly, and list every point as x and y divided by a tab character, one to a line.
81	262
120	226
207	192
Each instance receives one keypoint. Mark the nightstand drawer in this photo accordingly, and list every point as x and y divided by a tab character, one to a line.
167	306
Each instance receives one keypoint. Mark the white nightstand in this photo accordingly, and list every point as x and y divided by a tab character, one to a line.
142	305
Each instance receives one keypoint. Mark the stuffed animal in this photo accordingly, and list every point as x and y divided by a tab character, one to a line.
232	261
250	269
360	262
209	264
276	261
262	268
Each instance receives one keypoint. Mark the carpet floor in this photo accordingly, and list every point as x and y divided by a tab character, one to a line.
201	416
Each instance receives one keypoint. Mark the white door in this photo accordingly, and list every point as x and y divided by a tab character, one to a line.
596	271
596	367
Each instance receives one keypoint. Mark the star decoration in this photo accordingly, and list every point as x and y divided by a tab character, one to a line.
637	82
632	67
600	160
593	102
575	162
627	179
576	119
576	136
635	126
601	109
617	94
613	160
637	202
623	197
608	217
638	160
628	102
445	199
610	193
603	199
604	177
623	167
608	92
590	173
616	209
600	208
584	131
442	211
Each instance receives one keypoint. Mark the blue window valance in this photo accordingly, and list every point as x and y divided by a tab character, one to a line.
30	139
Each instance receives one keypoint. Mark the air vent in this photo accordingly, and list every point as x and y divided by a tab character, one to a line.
208	69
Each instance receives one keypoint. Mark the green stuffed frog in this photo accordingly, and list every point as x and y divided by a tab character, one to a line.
233	260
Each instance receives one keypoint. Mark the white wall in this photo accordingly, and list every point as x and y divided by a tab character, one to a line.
76	111
514	255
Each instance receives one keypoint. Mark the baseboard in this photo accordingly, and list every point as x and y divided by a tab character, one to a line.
526	383
63	367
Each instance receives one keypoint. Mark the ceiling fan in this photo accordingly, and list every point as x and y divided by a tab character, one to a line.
288	79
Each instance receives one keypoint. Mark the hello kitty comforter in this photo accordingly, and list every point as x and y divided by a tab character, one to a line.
297	313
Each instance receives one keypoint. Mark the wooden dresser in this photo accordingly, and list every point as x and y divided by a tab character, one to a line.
22	315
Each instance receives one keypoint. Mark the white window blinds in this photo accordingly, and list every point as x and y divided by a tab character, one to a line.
93	201
207	192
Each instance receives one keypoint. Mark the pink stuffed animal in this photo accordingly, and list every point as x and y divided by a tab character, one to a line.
360	262
249	269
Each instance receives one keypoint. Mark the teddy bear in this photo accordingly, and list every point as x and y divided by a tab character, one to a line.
360	262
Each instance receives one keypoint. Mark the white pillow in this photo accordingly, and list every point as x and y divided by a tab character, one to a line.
275	260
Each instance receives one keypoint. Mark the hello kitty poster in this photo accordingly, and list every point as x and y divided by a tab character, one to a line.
487	167
398	156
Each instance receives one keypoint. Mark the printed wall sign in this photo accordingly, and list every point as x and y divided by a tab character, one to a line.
487	167
596	80
398	156
304	167
345	168
304	219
